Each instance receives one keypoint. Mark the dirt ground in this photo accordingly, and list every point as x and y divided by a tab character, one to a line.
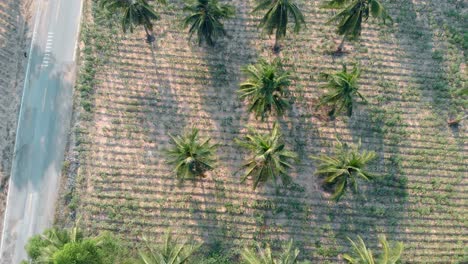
14	17
410	73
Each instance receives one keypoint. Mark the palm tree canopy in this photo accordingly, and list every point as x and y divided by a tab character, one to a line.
134	13
343	168
266	87
172	251
277	16
204	19
342	88
261	255
71	246
353	12
190	155
269	160
362	255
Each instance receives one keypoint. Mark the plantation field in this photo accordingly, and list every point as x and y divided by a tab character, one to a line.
130	96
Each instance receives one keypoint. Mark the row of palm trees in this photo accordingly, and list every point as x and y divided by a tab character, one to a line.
266	92
71	246
269	160
204	17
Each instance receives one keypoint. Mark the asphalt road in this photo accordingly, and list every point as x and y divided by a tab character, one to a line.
43	125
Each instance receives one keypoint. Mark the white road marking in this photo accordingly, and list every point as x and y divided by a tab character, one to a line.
48	49
44	99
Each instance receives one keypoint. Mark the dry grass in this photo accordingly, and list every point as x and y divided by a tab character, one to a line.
145	93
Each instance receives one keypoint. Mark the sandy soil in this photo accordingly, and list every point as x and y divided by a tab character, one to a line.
14	21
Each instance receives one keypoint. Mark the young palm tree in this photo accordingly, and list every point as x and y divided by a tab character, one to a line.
265	256
269	160
363	255
344	168
133	13
351	15
42	247
172	251
277	17
191	156
204	19
71	246
266	88
342	88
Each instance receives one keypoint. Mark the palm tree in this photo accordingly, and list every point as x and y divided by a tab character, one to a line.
269	160
190	156
363	255
56	245
342	88
172	251
41	248
351	15
265	256
133	13
344	168
204	19
277	17
266	87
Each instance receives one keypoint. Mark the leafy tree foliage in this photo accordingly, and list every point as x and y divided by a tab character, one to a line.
70	246
204	19
269	158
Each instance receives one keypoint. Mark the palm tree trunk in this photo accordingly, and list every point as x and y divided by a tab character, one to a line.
276	47
341	46
149	35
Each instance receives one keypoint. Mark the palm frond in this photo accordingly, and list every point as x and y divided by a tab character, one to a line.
172	251
266	88
261	255
204	19
341	88
353	12
276	18
362	255
344	168
269	160
191	156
